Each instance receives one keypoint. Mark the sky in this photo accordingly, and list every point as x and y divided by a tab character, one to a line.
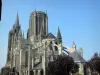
78	20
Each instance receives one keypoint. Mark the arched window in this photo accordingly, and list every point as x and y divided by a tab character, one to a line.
56	48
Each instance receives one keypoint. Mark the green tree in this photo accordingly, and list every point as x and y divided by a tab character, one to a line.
77	73
94	63
63	65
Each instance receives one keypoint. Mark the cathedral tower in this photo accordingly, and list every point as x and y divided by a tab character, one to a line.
14	36
38	20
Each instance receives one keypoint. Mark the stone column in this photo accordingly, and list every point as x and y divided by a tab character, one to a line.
60	49
46	24
34	24
34	71
20	62
38	27
23	72
28	60
44	59
12	51
32	62
38	72
14	57
26	72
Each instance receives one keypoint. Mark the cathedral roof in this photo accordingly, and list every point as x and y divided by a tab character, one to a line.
50	35
76	56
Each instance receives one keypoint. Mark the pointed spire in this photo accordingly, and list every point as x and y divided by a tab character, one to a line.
59	34
17	20
59	37
74	45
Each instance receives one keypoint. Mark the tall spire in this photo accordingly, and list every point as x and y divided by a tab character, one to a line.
17	20
74	45
59	37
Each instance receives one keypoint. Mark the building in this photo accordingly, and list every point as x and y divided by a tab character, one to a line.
77	55
31	55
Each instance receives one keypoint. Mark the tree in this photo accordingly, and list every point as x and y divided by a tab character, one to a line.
77	73
94	63
63	65
75	68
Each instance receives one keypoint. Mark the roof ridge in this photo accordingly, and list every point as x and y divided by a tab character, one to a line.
76	56
50	35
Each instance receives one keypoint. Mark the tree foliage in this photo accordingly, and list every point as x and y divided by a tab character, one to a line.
63	65
94	63
77	73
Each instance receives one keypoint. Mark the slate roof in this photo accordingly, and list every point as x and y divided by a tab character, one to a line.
50	35
76	56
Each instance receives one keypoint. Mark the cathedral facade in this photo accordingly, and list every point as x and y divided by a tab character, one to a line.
31	55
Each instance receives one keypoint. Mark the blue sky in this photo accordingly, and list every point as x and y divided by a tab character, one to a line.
79	20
